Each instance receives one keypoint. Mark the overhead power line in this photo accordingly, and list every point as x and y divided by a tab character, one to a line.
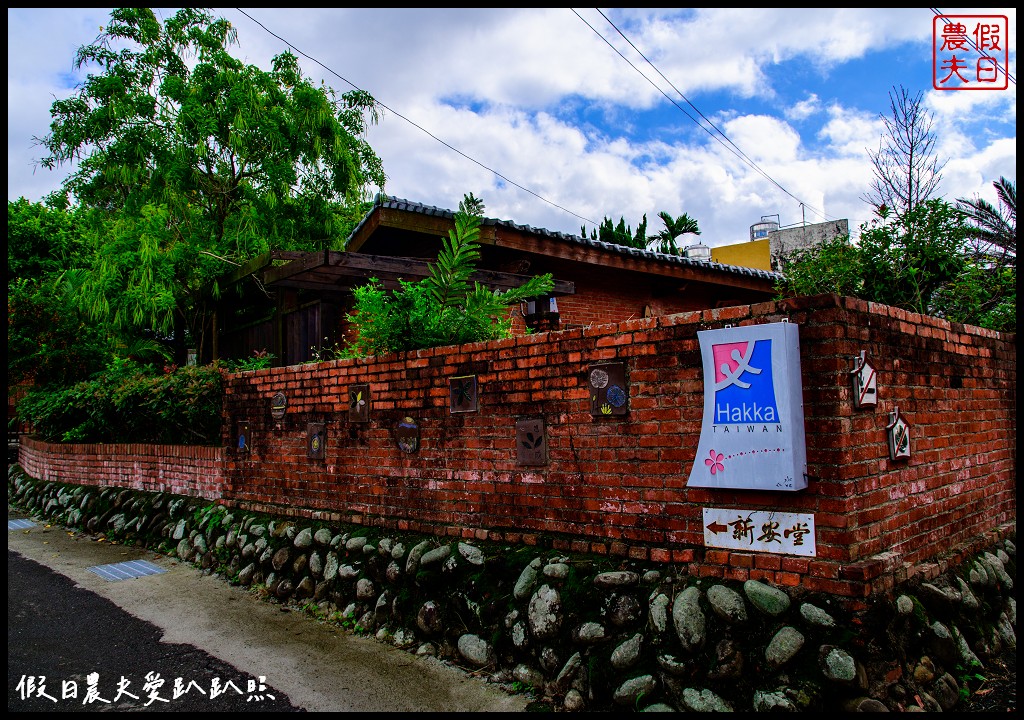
731	146
416	125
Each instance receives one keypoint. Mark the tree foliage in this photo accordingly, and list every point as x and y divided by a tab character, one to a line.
48	340
993	230
919	253
906	169
191	161
444	308
920	262
980	295
665	241
897	261
619	234
41	241
986	291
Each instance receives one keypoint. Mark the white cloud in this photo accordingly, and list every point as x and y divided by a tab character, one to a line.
537	96
804	108
851	133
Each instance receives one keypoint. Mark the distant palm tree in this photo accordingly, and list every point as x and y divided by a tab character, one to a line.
995	229
665	241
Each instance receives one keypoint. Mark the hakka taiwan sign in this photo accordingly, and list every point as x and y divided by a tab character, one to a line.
752	434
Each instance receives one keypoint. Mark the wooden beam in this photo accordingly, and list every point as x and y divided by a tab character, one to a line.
412	222
256	264
554	247
303	264
334	269
246	269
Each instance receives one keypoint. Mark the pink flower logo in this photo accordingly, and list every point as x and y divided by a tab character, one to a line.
715	462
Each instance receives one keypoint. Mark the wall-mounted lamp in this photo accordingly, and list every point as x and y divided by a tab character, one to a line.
541	313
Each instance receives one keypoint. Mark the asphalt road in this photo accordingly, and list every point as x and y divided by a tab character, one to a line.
75	638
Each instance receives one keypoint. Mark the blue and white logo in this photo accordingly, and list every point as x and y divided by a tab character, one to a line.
744	387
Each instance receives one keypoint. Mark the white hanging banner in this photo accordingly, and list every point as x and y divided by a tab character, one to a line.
752	435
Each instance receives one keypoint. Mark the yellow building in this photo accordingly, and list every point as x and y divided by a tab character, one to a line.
770	244
754	254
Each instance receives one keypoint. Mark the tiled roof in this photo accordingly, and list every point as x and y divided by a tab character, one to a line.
409	206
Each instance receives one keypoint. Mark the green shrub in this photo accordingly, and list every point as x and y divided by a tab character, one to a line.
445	308
129	402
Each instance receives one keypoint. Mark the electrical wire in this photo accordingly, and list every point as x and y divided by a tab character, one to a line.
731	146
417	126
734	149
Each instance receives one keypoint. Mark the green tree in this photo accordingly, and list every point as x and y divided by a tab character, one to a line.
920	262
905	260
191	161
980	295
665	241
985	291
832	266
41	241
994	229
619	234
444	308
48	340
897	261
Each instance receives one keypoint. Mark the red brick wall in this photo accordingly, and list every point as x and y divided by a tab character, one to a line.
600	300
178	469
618	486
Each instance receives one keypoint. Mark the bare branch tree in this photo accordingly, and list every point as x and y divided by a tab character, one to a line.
905	166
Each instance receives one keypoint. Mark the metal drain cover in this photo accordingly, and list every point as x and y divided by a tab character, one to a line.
126	570
20	524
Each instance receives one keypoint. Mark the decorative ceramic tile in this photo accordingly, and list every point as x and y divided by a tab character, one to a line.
462	394
531	445
359	403
864	382
407	435
316	441
278	406
609	393
243	438
898	436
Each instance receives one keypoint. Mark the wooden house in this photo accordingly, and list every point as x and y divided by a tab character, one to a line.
294	304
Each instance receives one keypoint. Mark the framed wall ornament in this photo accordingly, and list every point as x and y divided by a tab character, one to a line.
316	441
897	434
863	383
609	393
407	435
531	442
278	406
462	394
243	437
359	403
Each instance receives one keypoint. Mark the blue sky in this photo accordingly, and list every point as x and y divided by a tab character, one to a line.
555	129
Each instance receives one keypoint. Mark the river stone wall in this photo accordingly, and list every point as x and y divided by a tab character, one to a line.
582	632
